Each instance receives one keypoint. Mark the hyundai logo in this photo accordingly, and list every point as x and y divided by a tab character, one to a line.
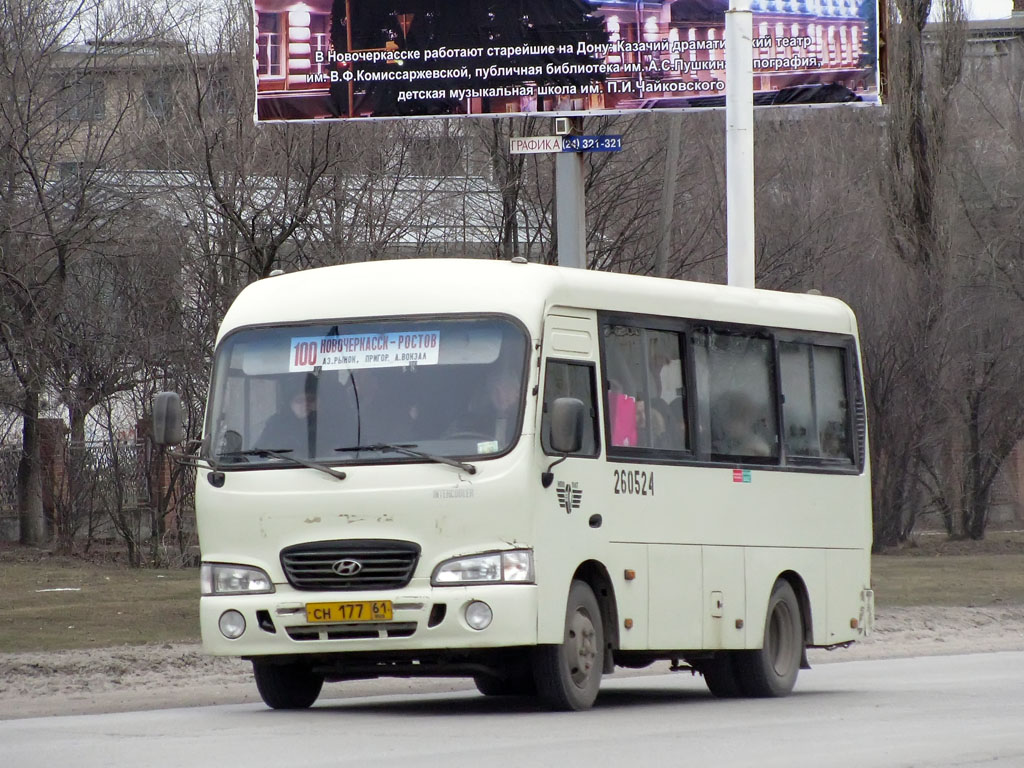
347	567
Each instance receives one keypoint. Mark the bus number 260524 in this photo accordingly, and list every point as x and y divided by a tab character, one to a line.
638	482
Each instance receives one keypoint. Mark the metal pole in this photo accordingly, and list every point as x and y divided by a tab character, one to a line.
668	195
348	43
570	207
739	144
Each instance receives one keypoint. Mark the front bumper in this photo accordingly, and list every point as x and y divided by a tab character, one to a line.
424	618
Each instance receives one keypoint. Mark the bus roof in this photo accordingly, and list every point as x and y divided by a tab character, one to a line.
439	286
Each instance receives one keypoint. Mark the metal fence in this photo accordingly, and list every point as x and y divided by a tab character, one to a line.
9	526
120	493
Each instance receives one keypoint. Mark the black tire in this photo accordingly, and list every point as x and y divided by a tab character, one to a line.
568	676
286	686
720	675
772	670
505	686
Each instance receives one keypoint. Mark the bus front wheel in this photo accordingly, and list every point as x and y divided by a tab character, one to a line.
505	686
772	670
286	686
568	676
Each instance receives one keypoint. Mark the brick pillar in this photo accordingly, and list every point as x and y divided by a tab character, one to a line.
160	467
1017	472
53	457
1018	6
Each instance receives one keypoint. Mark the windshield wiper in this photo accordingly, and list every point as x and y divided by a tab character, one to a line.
407	449
282	453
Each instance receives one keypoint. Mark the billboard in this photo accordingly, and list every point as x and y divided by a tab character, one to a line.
375	59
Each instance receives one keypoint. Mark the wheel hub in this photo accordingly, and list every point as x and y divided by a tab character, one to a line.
780	640
581	648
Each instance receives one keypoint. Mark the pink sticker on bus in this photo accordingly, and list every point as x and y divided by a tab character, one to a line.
622	410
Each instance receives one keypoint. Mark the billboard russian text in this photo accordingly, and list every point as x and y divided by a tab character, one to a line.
342	59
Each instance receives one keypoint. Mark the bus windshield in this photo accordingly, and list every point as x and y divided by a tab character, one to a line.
376	391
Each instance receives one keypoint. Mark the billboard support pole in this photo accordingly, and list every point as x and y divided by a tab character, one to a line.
570	205
739	144
348	44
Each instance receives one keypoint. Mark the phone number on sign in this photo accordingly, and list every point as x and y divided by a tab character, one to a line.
591	143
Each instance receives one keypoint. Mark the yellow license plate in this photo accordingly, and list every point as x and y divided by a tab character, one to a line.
367	610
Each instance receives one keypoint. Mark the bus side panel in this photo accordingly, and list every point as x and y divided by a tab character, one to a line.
764	565
631	595
847	578
675	596
724	597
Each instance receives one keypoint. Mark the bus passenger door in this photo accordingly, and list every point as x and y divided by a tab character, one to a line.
571	526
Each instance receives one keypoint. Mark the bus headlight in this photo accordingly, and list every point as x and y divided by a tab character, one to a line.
511	567
225	579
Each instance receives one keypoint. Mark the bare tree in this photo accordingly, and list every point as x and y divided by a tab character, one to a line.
983	416
919	190
59	129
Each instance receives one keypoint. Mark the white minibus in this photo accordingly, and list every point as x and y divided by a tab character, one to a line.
529	475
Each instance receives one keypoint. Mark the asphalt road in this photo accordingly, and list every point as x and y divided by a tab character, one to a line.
927	712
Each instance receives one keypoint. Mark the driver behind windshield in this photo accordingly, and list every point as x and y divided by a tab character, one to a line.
293	428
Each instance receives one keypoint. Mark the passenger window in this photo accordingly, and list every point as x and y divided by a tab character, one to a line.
801	435
814	409
570	380
646	394
833	415
738	405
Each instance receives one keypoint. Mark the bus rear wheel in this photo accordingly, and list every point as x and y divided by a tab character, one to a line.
568	676
720	675
286	686
772	670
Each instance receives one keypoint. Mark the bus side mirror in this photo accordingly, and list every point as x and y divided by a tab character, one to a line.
567	415
167	427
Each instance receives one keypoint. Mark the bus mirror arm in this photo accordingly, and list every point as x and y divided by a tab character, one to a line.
547	477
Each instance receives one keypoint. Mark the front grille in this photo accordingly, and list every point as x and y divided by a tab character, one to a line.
383	564
378	631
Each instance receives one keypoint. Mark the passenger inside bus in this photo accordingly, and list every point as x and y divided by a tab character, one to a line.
493	411
667	399
734	427
626	416
655	414
673	416
645	389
